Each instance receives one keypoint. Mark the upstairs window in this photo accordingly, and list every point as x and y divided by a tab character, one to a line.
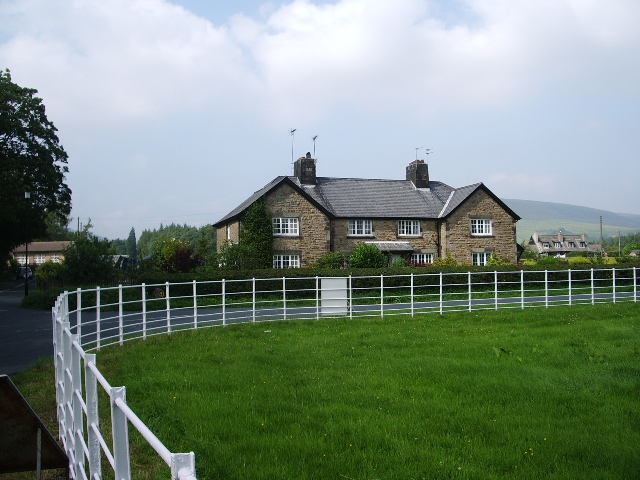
360	228
480	259
571	244
583	244
285	227
408	228
557	245
481	226
286	261
545	245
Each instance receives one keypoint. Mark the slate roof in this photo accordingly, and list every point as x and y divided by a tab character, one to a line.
44	247
370	198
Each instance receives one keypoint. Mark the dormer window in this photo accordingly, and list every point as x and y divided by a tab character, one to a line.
571	245
557	245
545	245
583	244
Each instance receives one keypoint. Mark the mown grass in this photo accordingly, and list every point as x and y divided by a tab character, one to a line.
527	394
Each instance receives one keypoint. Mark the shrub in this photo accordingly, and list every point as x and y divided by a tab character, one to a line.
332	261
399	262
448	261
367	255
495	260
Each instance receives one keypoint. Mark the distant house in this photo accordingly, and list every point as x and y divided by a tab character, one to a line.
634	253
560	245
417	219
40	252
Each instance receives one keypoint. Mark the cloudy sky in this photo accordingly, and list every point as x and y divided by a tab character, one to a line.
176	111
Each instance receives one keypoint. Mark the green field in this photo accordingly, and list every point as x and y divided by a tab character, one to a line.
539	393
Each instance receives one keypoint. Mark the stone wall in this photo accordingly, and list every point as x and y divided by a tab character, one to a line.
456	231
386	230
229	232
314	236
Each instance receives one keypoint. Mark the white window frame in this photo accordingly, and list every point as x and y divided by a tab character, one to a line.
422	257
546	245
286	226
360	228
571	244
583	244
21	259
39	258
480	259
408	228
286	261
55	258
557	244
481	227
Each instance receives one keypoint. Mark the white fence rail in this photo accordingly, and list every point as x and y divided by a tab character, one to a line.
108	316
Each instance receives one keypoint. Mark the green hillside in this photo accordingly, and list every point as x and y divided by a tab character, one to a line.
549	218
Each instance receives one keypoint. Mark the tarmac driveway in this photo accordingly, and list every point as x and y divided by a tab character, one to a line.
25	335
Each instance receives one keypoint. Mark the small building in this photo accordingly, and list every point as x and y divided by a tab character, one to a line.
40	252
417	219
560	245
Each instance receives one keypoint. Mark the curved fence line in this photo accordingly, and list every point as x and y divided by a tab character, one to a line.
113	315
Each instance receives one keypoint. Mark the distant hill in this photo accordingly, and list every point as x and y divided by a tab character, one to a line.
549	218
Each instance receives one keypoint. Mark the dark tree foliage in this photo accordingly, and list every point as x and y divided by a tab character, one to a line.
132	249
31	160
257	235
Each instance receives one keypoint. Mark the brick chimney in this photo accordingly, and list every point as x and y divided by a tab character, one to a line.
305	169
418	173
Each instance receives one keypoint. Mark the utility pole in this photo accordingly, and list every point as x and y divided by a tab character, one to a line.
27	197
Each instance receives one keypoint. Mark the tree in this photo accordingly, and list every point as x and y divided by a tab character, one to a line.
31	160
88	260
132	249
257	235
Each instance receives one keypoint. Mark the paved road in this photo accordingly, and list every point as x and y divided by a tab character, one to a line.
25	335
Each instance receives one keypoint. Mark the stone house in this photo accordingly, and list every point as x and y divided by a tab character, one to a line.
560	245
40	252
417	218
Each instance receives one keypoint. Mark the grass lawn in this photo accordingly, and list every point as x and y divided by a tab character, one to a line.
510	394
535	393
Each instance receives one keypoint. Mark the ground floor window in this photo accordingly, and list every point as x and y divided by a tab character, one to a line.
286	261
421	258
39	258
55	258
21	259
480	259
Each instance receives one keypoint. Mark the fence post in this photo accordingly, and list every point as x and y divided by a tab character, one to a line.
183	465
469	288
144	311
284	298
224	302
350	297
79	313
613	273
546	288
522	288
195	305
120	433
441	293
98	318
91	392
120	317
317	298
382	295
593	292
167	299
67	381
76	404
569	273
412	299
253	299
635	285
495	283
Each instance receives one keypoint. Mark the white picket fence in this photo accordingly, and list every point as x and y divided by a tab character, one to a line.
108	316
